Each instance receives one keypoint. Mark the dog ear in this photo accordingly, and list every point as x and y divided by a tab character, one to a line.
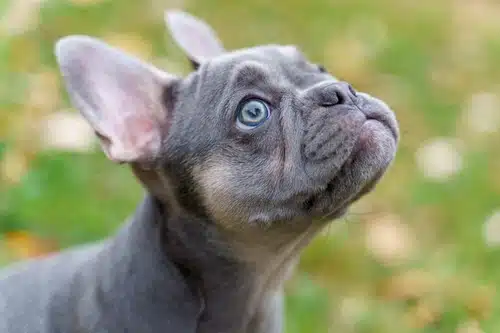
120	96
195	37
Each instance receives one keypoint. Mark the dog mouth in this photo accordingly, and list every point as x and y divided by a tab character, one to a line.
379	120
333	199
321	203
376	112
315	204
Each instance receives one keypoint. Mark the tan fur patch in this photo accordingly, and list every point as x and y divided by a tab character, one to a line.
215	179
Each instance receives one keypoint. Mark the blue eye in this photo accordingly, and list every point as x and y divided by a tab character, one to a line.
252	113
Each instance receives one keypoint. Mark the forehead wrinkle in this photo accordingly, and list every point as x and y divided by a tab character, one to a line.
261	77
249	73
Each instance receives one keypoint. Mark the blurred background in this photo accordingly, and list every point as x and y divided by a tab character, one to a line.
420	254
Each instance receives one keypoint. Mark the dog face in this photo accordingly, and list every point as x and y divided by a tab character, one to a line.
253	137
290	141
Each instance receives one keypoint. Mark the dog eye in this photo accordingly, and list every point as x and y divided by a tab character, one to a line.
252	113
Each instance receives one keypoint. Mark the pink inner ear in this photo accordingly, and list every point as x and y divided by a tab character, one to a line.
140	128
139	139
119	95
196	37
199	47
128	120
133	137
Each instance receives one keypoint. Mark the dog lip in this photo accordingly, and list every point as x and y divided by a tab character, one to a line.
374	114
384	119
383	116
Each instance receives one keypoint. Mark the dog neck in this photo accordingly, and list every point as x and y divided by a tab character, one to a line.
233	281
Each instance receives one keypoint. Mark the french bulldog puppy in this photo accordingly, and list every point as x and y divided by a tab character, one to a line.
243	161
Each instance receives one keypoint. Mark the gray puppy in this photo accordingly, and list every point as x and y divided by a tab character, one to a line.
243	162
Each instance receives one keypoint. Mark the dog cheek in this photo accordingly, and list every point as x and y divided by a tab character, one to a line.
217	188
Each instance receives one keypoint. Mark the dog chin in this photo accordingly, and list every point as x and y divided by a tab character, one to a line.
325	206
369	160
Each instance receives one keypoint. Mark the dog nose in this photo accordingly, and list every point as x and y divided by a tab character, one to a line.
337	93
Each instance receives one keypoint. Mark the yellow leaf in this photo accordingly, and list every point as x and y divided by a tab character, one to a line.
24	245
13	166
131	43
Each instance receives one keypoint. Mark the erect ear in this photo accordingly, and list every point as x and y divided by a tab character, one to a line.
120	96
195	37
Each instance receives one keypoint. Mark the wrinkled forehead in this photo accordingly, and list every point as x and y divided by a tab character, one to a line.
271	63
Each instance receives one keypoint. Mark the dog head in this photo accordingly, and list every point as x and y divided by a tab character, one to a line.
252	137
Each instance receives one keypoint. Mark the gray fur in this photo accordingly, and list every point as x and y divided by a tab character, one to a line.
226	211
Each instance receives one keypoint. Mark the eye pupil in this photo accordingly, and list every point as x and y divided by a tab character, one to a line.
252	113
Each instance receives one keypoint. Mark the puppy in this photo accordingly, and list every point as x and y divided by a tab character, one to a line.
243	161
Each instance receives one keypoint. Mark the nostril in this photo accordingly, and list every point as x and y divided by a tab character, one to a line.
337	93
341	97
352	91
330	96
347	91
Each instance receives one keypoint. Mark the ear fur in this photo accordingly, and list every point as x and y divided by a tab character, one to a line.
194	36
119	95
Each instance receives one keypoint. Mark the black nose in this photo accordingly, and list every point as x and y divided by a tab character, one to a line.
337	93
